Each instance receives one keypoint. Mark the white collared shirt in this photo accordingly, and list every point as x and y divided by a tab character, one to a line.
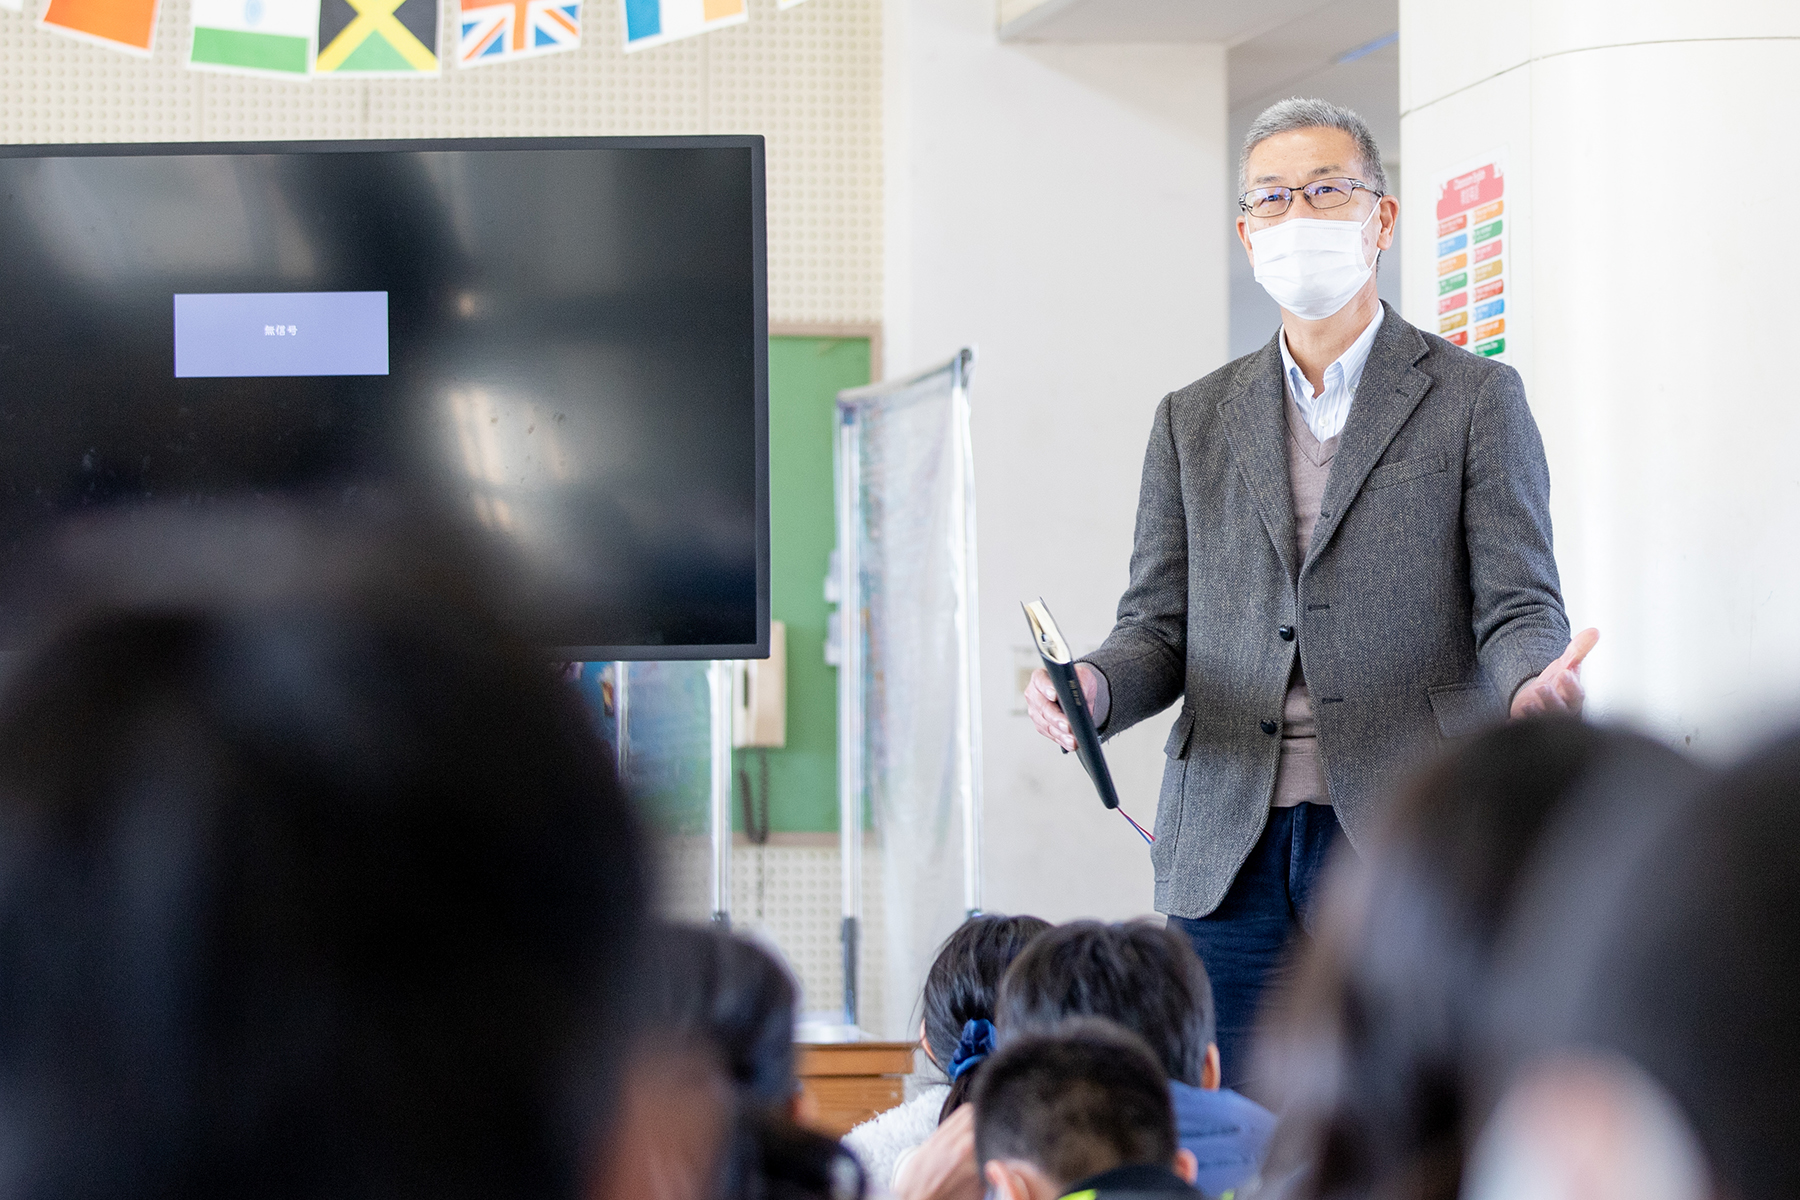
1326	413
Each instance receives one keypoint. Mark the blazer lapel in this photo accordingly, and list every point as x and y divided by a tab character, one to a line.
1390	388
1255	424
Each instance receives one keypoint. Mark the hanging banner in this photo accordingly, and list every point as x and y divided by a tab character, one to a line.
909	694
127	25
377	37
255	37
293	39
1472	255
506	32
655	22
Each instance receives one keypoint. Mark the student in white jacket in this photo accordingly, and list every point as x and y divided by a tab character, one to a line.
956	1034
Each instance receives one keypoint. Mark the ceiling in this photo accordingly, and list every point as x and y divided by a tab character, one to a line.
1143	20
1273	45
1330	37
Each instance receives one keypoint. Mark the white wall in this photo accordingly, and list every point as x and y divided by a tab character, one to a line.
1647	150
1057	207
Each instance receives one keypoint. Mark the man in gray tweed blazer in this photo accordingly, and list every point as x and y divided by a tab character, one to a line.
1342	559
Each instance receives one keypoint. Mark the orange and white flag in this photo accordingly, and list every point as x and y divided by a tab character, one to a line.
127	25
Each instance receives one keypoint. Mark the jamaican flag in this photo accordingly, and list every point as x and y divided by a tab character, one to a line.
377	37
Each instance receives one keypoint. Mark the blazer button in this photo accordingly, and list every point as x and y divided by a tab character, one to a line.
1286	632
1269	727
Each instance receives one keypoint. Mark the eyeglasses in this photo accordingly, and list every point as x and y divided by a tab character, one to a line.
1322	194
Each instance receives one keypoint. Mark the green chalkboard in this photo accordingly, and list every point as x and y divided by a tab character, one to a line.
805	376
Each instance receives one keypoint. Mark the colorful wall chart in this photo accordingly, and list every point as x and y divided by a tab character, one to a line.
1472	256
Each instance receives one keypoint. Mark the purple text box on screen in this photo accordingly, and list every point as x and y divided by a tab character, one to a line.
254	334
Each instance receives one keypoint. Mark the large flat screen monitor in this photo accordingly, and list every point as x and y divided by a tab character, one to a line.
559	344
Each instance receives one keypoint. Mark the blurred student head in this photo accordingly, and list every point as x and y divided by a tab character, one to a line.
958	1000
1139	974
1664	983
1064	1110
714	989
712	1101
1374	1044
321	889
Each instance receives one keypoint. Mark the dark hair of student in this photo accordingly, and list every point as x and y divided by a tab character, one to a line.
960	987
1376	1044
732	996
773	1158
734	1001
326	890
1139	974
1685	959
1084	1098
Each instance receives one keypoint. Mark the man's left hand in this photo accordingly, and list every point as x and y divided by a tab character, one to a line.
1558	688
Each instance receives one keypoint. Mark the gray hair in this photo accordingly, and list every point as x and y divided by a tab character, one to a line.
1286	116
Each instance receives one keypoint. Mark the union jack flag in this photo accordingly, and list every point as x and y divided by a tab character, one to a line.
511	29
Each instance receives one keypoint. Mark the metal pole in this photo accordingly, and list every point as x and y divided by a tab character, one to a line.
622	717
718	679
968	662
850	702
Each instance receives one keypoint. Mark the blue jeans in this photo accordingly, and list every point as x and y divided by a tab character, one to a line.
1244	942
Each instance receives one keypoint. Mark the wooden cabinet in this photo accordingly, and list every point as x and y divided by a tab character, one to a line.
847	1083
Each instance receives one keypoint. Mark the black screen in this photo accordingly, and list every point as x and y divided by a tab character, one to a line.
559	344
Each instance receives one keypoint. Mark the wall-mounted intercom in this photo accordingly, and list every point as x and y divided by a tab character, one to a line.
759	696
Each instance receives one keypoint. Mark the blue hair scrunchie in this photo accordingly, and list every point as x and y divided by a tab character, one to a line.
975	1044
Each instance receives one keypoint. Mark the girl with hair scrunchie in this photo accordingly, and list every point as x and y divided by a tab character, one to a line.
976	1043
956	1033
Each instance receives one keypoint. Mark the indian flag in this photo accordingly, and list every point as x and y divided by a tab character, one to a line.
653	22
257	37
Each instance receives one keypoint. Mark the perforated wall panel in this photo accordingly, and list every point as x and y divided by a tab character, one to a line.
807	78
789	895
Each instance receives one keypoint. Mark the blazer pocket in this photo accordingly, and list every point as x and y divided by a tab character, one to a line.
1176	746
1462	708
1404	471
1171	803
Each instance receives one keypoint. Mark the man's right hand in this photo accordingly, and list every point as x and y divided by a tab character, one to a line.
1047	714
1558	688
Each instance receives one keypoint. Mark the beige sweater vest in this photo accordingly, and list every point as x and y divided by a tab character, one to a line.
1299	778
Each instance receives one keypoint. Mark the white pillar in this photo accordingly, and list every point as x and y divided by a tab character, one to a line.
1651	259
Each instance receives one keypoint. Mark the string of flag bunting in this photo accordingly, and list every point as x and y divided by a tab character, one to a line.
302	39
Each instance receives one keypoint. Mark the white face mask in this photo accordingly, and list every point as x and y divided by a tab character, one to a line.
1312	267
